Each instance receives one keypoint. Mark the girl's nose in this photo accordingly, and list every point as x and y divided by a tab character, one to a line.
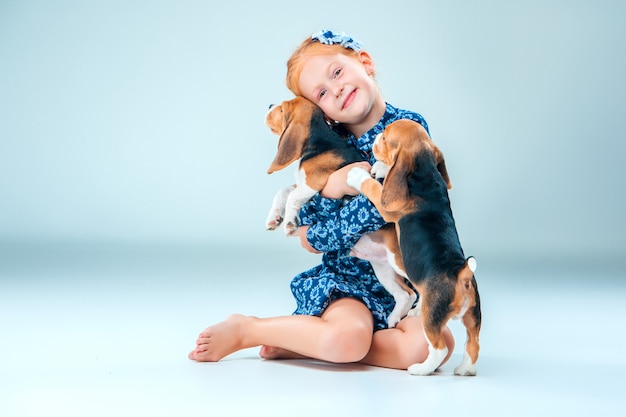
338	89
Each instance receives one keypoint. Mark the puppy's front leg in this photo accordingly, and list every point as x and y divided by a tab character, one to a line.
356	177
380	170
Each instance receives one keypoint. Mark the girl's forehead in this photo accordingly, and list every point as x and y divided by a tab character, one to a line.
319	60
319	64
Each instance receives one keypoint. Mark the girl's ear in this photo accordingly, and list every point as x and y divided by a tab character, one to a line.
367	62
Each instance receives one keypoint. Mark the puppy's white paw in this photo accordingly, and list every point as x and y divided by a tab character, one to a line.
421	370
432	362
462	370
466	368
274	219
380	170
357	176
291	227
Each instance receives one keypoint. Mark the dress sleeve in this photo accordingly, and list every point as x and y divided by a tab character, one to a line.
335	225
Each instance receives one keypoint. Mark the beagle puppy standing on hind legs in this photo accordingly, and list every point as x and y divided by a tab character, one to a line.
414	195
305	135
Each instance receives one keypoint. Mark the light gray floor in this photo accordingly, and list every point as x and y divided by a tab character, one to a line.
97	330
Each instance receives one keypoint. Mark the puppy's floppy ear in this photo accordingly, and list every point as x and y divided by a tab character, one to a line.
291	142
274	119
395	193
440	162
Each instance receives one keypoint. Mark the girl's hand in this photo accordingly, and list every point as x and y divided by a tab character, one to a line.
301	233
337	186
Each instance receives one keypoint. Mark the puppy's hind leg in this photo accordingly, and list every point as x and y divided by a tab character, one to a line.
402	295
277	211
470	356
434	322
471	321
300	195
434	359
371	247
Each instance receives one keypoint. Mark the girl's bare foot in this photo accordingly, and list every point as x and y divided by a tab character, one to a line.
220	340
271	352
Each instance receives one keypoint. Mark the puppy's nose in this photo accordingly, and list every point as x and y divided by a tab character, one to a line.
270	106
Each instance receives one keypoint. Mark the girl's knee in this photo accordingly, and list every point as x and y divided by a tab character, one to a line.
349	332
347	343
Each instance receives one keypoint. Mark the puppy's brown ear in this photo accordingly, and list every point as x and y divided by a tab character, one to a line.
290	144
395	193
440	162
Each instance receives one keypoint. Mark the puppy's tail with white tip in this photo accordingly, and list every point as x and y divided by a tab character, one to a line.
471	263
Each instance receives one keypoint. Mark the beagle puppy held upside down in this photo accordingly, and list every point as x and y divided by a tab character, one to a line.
414	196
304	134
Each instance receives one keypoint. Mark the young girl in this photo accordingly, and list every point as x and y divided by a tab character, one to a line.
342	309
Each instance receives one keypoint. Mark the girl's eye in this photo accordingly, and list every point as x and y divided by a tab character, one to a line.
337	73
322	94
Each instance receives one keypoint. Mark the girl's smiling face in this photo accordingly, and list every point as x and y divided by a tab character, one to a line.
344	88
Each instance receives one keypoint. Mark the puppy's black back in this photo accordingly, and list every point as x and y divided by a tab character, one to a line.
429	240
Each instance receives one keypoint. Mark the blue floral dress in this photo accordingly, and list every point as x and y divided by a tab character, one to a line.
334	227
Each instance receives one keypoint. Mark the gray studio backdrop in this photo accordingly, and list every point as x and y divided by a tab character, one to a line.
142	121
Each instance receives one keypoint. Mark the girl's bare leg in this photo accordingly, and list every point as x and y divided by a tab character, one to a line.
342	334
396	348
272	352
403	345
